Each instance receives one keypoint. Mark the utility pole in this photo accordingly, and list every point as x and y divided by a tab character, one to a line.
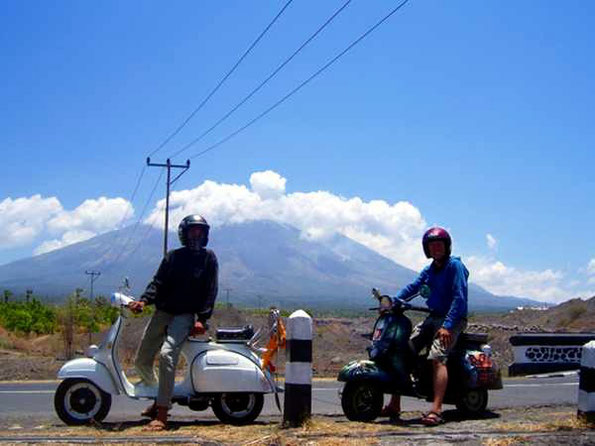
28	295
169	182
94	275
227	291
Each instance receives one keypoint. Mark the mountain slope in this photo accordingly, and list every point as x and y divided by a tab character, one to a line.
258	260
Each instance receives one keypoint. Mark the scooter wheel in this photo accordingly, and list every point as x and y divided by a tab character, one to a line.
78	401
237	408
361	401
473	401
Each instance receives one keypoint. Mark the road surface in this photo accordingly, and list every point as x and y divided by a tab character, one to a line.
29	405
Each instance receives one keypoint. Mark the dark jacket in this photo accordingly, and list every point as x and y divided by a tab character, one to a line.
186	282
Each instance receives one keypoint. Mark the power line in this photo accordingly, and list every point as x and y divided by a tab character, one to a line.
142	238
125	245
131	200
264	82
303	84
206	99
140	176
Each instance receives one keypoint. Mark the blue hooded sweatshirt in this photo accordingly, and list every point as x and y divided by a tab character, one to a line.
448	287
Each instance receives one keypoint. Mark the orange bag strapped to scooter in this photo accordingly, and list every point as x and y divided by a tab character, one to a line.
276	341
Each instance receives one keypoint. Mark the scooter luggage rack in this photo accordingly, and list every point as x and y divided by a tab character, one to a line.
234	334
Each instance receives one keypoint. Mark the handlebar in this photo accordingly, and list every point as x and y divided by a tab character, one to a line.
121	299
398	303
404	303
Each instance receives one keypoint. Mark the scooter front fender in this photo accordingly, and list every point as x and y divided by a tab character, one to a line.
89	369
218	371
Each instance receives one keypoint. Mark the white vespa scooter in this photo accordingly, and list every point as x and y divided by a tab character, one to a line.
225	374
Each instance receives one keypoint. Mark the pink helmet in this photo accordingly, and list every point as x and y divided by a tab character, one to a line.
436	234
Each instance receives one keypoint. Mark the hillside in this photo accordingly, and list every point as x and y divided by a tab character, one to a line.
261	263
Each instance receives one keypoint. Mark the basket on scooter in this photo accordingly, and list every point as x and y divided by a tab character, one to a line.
244	333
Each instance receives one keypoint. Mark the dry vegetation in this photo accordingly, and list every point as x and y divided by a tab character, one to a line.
336	340
542	425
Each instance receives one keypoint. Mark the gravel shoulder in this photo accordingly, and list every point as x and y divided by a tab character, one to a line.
547	425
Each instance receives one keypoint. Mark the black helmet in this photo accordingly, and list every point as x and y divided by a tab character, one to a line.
193	220
436	234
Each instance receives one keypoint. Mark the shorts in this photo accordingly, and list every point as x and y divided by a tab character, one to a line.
424	334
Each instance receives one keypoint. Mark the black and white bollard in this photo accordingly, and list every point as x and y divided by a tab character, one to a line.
298	370
586	386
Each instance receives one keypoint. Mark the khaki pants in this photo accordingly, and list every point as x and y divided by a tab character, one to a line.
165	333
424	334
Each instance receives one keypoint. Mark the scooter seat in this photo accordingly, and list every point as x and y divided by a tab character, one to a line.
473	338
235	333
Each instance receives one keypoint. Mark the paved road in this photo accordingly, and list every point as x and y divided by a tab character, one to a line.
31	404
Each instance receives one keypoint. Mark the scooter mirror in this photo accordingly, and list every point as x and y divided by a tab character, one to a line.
425	291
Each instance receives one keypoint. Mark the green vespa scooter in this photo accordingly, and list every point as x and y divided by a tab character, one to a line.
394	368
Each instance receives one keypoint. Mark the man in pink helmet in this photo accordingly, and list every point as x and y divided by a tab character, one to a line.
447	278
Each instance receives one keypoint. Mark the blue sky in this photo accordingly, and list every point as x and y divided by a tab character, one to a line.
479	114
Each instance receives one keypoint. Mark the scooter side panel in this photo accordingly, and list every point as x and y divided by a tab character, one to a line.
89	369
364	370
215	371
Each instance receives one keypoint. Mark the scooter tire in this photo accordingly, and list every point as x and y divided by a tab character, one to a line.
228	407
78	401
473	402
361	401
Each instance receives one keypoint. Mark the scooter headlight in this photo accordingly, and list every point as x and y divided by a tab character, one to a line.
386	303
91	350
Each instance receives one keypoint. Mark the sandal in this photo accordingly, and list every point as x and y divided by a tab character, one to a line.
159	423
432	419
156	425
150	412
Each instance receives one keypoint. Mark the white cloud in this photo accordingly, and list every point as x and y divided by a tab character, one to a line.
68	238
97	215
267	184
393	230
24	218
546	285
92	217
491	241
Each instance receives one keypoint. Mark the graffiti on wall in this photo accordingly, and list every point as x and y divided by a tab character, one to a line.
554	354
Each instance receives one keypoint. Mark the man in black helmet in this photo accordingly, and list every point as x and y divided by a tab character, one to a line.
183	291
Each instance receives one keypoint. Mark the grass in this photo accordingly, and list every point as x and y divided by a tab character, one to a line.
561	422
323	430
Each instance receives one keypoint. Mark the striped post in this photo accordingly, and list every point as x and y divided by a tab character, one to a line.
586	386
298	371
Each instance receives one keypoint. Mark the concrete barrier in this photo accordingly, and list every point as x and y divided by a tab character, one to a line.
547	352
298	370
586	386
